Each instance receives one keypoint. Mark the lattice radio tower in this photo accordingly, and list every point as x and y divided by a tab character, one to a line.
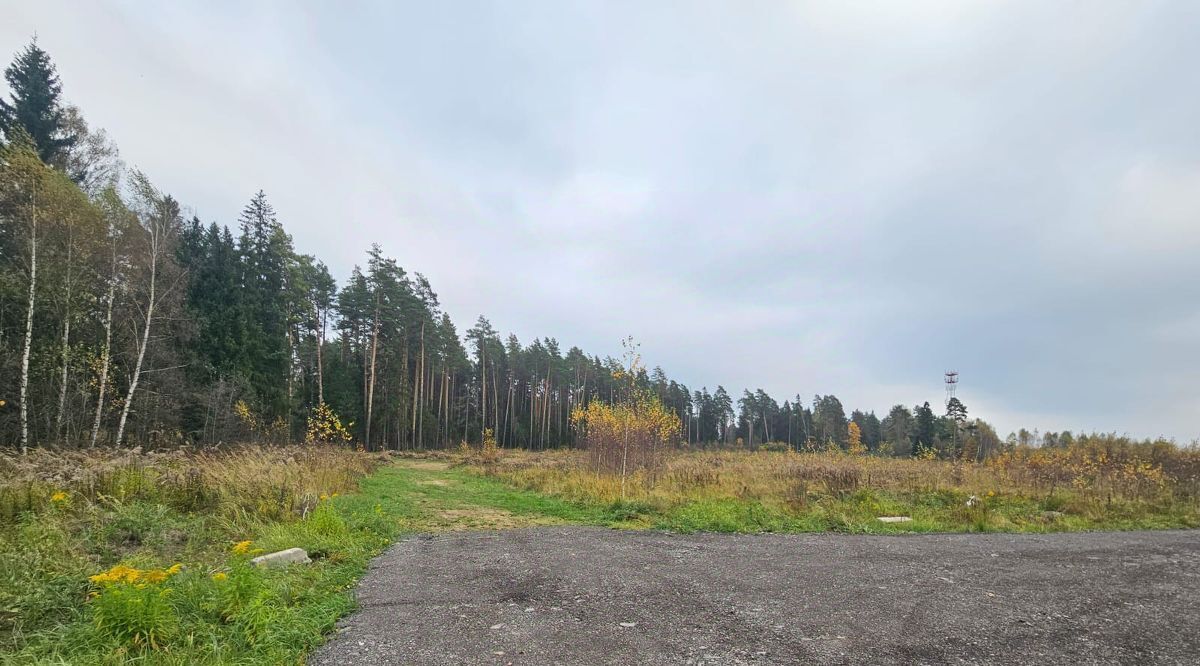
951	385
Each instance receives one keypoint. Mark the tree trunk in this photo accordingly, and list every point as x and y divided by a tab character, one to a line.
417	422
66	343
29	324
106	354
371	379
137	369
545	420
320	366
292	357
495	402
508	400
483	391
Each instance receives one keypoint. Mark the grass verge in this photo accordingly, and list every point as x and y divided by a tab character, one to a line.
112	558
144	580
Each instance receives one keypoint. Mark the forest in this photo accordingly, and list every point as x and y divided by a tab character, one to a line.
123	321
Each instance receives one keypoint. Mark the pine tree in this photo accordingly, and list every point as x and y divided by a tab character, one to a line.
266	260
925	432
829	420
897	430
35	106
956	411
723	412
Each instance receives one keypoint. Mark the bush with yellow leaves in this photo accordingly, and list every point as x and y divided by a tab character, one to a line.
627	437
489	451
325	427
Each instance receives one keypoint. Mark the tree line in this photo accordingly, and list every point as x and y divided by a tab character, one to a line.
122	321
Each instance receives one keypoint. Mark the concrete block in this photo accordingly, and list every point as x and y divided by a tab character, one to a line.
282	558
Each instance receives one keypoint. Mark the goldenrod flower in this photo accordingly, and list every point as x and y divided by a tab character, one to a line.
59	496
241	547
118	574
220	576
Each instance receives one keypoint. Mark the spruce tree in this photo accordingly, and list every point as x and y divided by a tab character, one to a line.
35	106
926	430
266	257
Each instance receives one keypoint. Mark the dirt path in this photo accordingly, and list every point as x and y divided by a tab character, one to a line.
585	595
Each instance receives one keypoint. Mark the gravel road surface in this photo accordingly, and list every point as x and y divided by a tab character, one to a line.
580	595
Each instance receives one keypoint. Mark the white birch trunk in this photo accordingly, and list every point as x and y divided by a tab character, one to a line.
66	346
107	353
29	324
137	369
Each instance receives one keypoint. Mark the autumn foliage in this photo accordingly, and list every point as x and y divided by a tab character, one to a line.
630	435
324	426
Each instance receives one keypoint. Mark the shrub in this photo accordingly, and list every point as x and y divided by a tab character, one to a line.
627	437
489	452
324	426
132	607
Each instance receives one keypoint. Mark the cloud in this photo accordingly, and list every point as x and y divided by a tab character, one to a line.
810	198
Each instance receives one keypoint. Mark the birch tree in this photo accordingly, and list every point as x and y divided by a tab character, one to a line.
116	217
158	217
25	183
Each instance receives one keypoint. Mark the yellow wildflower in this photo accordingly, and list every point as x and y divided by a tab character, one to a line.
241	547
59	496
220	576
324	497
118	574
128	575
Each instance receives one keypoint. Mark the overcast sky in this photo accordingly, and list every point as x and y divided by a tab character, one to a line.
835	197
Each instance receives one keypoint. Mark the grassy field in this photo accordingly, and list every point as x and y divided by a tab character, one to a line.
1025	491
116	558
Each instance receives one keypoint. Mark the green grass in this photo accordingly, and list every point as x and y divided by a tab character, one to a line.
56	615
220	609
417	495
930	512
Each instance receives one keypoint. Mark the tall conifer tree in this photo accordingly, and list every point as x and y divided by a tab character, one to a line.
35	106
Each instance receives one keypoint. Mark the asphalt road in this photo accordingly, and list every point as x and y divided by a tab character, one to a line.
577	595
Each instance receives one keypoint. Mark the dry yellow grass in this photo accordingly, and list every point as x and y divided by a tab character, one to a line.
241	481
790	479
